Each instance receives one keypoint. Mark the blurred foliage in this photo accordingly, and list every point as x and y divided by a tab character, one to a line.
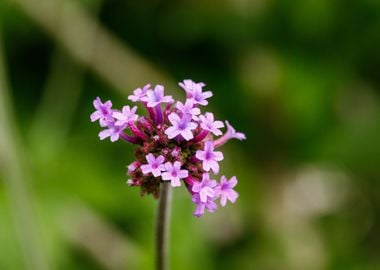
300	78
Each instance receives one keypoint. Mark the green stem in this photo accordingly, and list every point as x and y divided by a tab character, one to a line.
162	229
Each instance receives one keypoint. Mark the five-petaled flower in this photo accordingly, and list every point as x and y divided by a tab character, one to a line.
209	157
209	205
188	108
156	97
176	143
180	126
208	123
125	116
225	190
139	93
174	173
205	188
154	166
103	112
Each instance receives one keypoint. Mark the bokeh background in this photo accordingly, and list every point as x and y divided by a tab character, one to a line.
301	78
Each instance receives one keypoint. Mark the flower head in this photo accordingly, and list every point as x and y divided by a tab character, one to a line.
209	157
175	143
174	173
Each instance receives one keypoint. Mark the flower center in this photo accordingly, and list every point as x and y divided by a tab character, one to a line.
182	125
209	155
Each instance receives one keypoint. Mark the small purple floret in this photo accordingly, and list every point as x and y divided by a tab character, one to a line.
103	112
209	157
194	92
156	97
174	173
208	123
209	205
154	166
225	190
125	116
139	93
113	131
188	108
205	188
180	126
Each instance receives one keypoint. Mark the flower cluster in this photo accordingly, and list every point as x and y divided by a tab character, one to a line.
176	143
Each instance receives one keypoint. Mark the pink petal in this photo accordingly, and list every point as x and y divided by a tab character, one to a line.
95	116
150	158
160	159
176	182
233	182
218	156
171	132
187	134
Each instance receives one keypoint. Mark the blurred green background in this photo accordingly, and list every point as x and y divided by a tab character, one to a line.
300	78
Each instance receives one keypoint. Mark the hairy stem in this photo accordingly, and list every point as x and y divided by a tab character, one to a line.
162	229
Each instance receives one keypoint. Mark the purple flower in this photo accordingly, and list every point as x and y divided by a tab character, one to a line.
156	96
208	123
114	132
209	158
233	134
174	173
180	126
139	93
188	108
225	190
194	92
209	205
154	166
230	134
174	143
176	151
190	86
125	116
103	112
133	166
205	188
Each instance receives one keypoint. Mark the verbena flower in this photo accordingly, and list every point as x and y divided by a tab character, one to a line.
180	126
103	112
176	142
125	116
208	123
174	173
156	97
139	93
205	188
225	190
154	166
209	157
188	108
